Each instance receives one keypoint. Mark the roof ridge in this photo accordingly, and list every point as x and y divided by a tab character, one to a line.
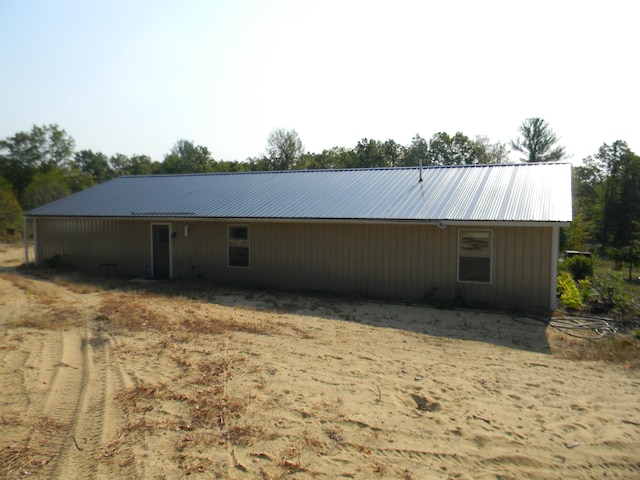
342	170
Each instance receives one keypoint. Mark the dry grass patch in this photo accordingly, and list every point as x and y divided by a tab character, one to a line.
21	460
139	311
49	315
18	281
76	286
134	312
115	449
16	461
621	348
57	313
208	421
204	407
216	326
46	309
139	399
241	436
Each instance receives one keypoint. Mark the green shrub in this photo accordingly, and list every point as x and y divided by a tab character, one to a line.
622	301
570	296
580	266
587	292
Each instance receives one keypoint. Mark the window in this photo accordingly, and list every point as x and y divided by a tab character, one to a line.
238	246
474	256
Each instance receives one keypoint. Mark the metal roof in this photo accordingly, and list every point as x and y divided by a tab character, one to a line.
538	192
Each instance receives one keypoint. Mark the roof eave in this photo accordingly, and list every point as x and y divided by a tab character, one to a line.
414	221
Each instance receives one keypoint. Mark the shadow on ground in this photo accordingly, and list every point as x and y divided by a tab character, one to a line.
511	330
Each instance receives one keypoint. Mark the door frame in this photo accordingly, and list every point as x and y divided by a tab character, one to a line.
170	248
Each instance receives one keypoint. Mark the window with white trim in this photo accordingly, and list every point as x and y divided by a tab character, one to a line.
475	251
238	246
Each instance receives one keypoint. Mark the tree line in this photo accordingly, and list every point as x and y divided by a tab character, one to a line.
42	165
606	205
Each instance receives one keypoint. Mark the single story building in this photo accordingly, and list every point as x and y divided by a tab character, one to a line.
482	233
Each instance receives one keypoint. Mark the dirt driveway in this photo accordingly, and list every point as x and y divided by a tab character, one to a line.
109	378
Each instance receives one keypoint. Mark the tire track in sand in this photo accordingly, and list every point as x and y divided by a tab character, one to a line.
79	404
12	364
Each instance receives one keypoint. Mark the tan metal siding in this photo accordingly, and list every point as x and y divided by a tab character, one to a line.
406	261
202	252
521	269
87	243
367	259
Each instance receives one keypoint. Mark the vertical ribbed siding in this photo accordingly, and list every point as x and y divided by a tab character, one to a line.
396	261
521	269
376	260
203	251
87	243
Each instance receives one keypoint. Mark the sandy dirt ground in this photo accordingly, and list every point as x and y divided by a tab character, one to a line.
113	378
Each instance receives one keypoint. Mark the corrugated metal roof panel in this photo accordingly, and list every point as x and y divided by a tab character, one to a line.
499	193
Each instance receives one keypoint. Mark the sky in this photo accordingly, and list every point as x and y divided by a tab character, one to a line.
134	77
